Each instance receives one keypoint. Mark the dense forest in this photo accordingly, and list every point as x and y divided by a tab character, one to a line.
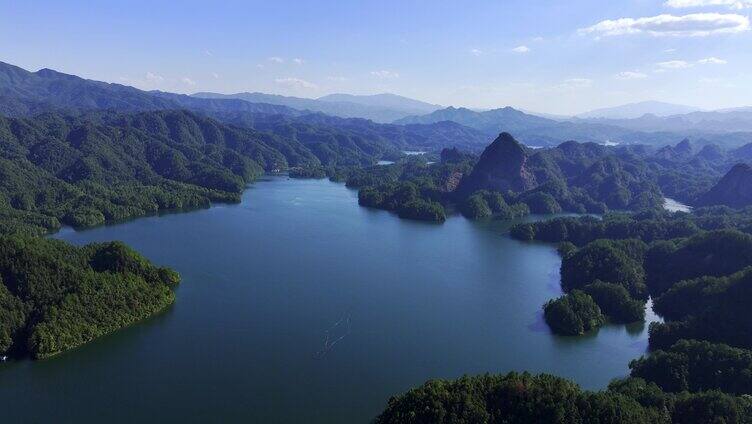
89	169
509	180
526	398
54	297
697	268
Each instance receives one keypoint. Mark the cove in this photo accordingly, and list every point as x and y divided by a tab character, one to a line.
263	282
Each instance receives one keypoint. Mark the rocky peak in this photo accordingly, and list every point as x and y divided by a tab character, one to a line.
734	189
501	167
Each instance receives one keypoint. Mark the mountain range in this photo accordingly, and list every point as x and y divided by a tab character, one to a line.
382	108
636	110
24	93
725	128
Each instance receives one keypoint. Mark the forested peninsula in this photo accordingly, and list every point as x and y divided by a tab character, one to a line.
55	296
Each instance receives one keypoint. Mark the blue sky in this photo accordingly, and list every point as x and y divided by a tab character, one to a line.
548	56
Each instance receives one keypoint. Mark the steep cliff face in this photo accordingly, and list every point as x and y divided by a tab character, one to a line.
734	189
501	167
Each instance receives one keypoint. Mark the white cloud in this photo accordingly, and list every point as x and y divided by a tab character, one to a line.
385	74
296	83
674	64
208	53
276	59
152	77
521	49
693	25
336	78
476	52
298	61
732	4
215	75
712	61
669	51
538	39
187	81
630	75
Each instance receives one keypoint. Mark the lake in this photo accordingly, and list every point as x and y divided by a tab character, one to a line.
297	305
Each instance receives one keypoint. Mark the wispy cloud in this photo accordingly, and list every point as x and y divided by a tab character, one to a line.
674	64
630	75
188	81
521	49
336	78
276	59
693	25
296	83
215	75
298	61
383	74
476	52
712	61
732	4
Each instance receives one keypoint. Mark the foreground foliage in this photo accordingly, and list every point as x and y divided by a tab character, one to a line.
526	398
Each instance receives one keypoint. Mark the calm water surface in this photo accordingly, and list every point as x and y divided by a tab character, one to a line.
263	282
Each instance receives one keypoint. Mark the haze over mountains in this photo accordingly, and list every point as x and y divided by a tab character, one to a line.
636	110
24	93
383	108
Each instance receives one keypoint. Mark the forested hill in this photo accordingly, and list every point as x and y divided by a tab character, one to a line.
315	127
85	170
24	93
54	296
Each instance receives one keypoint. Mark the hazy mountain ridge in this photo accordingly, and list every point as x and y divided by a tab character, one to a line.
636	110
382	108
726	128
25	93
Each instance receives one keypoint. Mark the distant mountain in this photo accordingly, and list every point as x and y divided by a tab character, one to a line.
381	108
321	128
636	110
734	189
385	100
538	131
24	93
491	122
736	109
705	122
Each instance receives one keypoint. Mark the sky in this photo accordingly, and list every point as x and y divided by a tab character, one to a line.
559	57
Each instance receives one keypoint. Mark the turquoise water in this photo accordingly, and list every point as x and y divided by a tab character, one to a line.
265	279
